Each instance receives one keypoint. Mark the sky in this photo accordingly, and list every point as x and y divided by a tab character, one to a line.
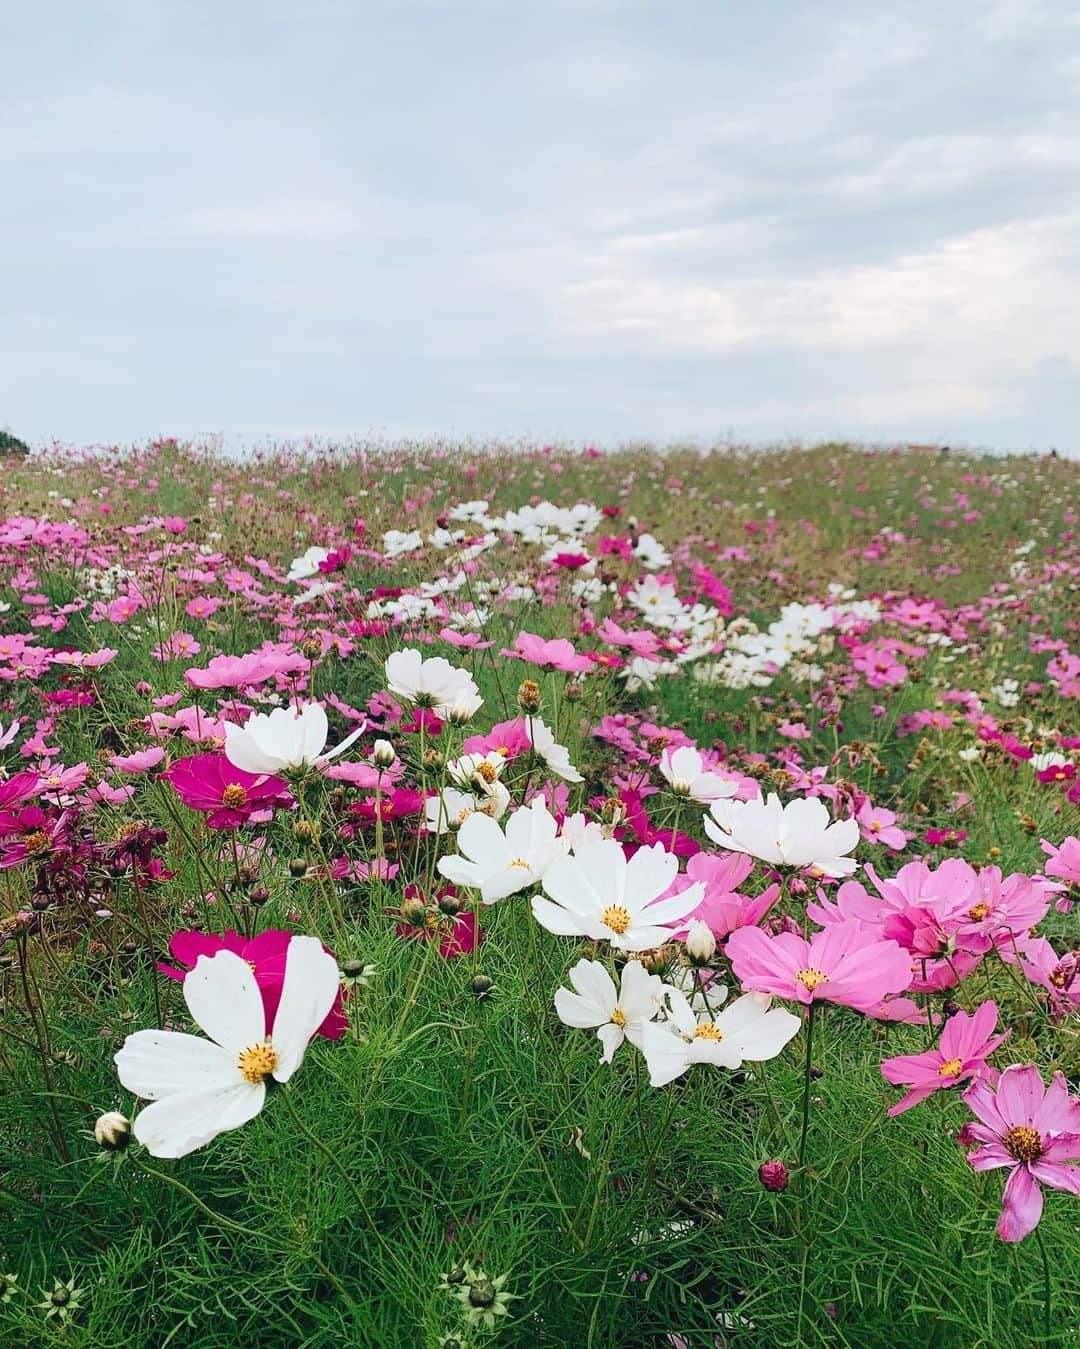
587	222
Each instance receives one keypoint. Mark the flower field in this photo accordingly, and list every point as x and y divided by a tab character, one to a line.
455	895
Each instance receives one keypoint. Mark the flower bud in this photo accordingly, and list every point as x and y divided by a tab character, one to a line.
481	986
528	696
112	1131
773	1175
311	647
700	942
449	905
414	911
298	867
573	691
383	755
303	830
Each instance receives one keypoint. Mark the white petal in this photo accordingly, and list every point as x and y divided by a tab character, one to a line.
177	1125
557	919
592	981
579	1012
158	1063
242	751
308	993
611	1037
224	1000
664	1053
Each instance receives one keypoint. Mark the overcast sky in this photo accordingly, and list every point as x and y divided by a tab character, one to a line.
582	221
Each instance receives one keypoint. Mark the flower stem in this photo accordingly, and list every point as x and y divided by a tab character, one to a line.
807	1078
1046	1284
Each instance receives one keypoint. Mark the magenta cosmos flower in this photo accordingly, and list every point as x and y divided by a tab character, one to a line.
961	1054
843	964
265	954
227	795
1032	1129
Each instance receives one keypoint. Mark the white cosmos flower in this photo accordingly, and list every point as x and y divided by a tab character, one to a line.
499	864
556	756
450	809
287	737
746	1029
685	769
201	1088
433	683
1051	759
479	772
614	1016
307	564
599	894
798	834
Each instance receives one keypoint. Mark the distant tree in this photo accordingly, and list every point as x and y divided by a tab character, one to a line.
10	444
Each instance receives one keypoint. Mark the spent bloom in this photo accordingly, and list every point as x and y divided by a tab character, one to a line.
1032	1129
798	834
201	1088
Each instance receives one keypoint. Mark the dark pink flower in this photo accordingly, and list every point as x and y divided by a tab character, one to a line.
228	796
265	954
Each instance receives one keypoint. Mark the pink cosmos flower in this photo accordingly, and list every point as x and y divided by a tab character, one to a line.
722	908
557	654
961	1054
878	825
228	795
1064	861
844	964
265	954
1032	1129
227	672
18	788
140	762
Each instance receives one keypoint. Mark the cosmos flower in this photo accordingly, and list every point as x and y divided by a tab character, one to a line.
748	1028
599	894
614	1015
798	834
688	777
499	864
433	683
286	738
201	1088
1032	1129
265	954
844	964
227	795
965	1045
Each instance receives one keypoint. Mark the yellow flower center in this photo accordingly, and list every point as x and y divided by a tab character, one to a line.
36	842
520	862
234	796
810	979
616	918
257	1061
950	1068
486	771
705	1030
618	1017
978	912
1024	1143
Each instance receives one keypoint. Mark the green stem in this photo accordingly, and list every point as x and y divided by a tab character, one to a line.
807	1078
1046	1284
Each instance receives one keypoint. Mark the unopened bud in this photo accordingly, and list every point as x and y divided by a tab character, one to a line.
700	942
573	691
449	905
298	867
303	830
382	756
311	647
773	1175
112	1131
481	986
